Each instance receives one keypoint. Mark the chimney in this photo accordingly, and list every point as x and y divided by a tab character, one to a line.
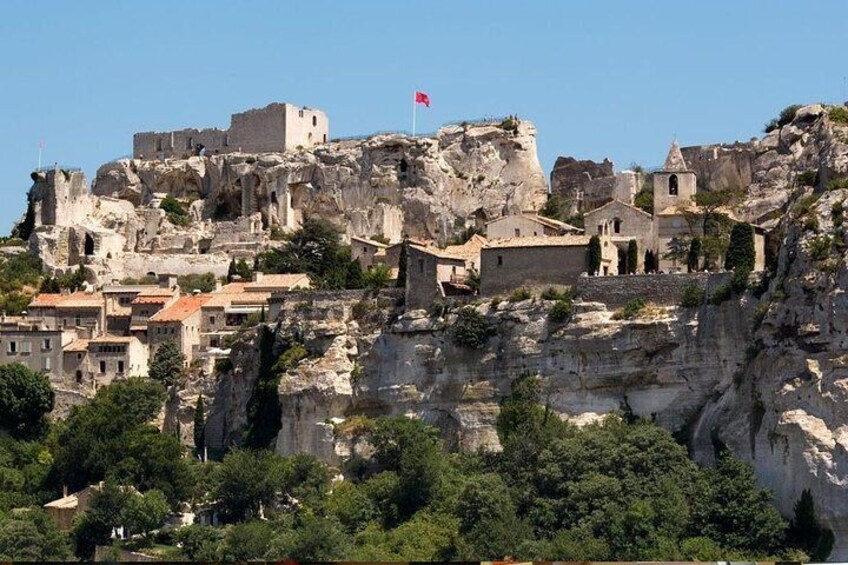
64	491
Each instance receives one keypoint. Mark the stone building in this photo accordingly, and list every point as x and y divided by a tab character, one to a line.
38	348
541	262
367	252
585	185
179	322
626	222
81	311
276	128
433	273
110	357
527	225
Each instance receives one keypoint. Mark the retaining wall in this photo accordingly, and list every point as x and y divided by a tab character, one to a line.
663	289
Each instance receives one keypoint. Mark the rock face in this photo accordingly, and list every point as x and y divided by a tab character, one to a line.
426	187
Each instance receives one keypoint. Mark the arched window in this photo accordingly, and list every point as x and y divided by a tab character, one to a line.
616	225
672	185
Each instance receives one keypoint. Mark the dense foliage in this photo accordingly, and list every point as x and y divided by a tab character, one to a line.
632	257
315	249
20	275
740	251
786	116
594	259
25	398
471	329
168	364
203	282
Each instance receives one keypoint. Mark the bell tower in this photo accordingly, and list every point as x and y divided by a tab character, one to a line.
675	184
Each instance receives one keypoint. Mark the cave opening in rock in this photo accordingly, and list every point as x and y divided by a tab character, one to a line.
88	247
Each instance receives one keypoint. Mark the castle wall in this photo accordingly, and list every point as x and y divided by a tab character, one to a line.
664	290
503	269
179	143
261	130
305	127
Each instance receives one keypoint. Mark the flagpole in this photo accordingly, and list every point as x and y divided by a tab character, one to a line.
40	148
414	109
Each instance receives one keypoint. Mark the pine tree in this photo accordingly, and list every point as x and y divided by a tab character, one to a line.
694	254
740	252
168	364
401	278
806	533
199	425
632	256
594	255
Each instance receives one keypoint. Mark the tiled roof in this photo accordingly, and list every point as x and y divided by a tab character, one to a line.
76	346
436	252
277	282
157	291
231	288
73	300
469	251
368	241
145	299
224	299
46	299
540	241
181	309
549	222
618	202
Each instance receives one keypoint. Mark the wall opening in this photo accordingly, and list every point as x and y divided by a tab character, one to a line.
189	142
274	197
89	245
672	185
616	225
314	121
159	144
78	376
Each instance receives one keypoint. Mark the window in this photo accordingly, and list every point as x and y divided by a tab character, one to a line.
672	185
517	232
314	121
103	366
189	143
421	265
226	141
47	345
79	356
120	366
500	260
158	330
77	320
159	144
125	300
600	229
47	365
616	225
212	320
26	347
12	347
300	113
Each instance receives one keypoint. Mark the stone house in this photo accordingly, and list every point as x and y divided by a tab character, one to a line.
179	322
433	273
367	252
118	302
37	348
527	225
111	357
64	510
626	222
541	262
146	305
82	311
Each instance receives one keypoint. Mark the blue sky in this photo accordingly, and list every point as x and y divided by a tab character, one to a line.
599	79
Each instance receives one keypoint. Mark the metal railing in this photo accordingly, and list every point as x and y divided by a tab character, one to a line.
493	120
57	167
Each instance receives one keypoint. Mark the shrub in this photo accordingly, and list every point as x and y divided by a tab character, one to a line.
805	204
290	358
837	213
739	282
520	294
721	294
553	294
693	296
644	200
837	183
839	114
204	282
819	247
175	211
510	123
786	116
471	329
377	276
630	310
560	312
632	256
594	254
694	254
808	178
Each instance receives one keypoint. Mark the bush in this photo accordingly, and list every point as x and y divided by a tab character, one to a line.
377	276
510	123
630	310
807	178
837	214
739	282
644	200
693	296
740	252
839	114
721	294
694	254
786	116
25	398
837	183
174	211
819	247
560	312
471	329
204	282
520	294
553	294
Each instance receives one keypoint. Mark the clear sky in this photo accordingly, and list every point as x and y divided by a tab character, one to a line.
599	78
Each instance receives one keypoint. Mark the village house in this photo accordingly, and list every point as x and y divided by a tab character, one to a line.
179	322
118	301
626	222
146	305
82	311
37	348
541	262
64	510
110	357
527	224
434	273
367	252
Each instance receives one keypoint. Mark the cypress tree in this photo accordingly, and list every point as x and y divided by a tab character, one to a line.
740	252
594	255
401	279
694	254
231	270
632	256
806	533
199	425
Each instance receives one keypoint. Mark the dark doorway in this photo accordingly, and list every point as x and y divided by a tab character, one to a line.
89	245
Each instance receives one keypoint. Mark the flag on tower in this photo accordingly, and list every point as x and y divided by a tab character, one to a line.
41	145
422	98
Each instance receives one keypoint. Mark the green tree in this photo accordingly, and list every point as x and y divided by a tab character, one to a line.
31	535
594	255
202	282
23	229
168	365
401	278
199	425
554	208
471	328
632	256
246	542
694	254
352	507
263	407
144	513
377	276
199	543
644	200
245	480
806	533
740	252
25	398
95	526
313	539
786	116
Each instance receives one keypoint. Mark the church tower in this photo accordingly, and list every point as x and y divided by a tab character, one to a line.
675	184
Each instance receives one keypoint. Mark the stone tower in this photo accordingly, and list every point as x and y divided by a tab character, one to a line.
675	184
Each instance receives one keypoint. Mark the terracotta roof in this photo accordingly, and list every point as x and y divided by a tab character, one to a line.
112	339
469	251
46	299
181	309
619	202
436	252
76	346
145	299
540	241
674	162
73	300
224	299
157	291
277	282
368	241
231	288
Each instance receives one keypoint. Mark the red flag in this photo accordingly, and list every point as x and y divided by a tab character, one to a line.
41	145
422	98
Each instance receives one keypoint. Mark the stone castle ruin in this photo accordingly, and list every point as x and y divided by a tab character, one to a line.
276	128
262	177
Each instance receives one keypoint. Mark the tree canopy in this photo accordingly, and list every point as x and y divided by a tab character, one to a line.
25	398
